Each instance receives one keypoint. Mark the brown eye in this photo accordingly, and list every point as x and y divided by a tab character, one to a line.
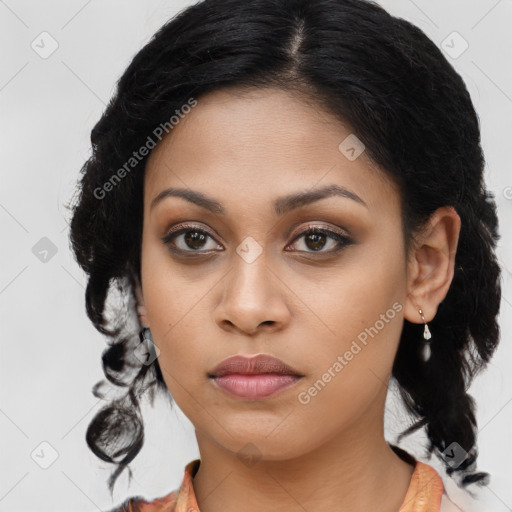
195	239
189	239
316	239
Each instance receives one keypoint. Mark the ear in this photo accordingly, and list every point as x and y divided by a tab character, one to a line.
141	307
431	263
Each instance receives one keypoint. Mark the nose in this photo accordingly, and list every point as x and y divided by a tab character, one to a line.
253	299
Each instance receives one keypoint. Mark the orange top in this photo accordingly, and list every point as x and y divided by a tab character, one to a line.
423	495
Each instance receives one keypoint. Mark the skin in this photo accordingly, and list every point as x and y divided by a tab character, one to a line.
245	148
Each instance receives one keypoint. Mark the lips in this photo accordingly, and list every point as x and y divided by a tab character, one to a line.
256	365
253	378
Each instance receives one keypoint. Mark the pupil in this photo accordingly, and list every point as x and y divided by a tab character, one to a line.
193	237
318	241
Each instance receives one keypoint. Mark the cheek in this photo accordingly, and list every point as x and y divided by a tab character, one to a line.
178	323
350	373
176	315
364	287
182	340
170	294
362	307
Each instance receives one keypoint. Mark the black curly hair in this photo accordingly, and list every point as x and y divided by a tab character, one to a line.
402	99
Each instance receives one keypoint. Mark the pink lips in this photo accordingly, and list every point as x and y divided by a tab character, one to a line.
255	377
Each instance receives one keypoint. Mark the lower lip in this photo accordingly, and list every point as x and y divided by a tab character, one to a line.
255	386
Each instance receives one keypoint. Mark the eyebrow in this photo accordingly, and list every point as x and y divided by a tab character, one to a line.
282	205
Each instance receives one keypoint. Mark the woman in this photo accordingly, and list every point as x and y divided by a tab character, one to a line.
291	195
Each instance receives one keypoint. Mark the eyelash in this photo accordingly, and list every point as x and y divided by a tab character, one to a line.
342	240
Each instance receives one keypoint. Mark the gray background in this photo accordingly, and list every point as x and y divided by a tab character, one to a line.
51	353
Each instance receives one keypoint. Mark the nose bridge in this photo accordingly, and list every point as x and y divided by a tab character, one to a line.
249	274
250	296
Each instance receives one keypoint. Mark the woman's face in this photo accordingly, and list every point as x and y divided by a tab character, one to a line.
247	278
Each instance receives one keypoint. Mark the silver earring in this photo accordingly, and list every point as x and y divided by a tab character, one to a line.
425	351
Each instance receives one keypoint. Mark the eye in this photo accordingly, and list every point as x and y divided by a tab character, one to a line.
192	239
189	239
317	238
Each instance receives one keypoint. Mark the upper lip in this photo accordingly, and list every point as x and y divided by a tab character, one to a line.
261	363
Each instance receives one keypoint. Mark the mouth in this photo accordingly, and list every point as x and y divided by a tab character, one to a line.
253	378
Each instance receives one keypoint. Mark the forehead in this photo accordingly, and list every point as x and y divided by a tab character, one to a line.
251	144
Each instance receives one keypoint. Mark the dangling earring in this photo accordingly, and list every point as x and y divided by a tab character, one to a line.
425	351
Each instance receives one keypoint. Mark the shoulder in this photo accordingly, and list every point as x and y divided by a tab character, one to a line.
182	498
165	503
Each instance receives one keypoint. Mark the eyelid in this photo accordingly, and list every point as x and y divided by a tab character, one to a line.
310	226
189	225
